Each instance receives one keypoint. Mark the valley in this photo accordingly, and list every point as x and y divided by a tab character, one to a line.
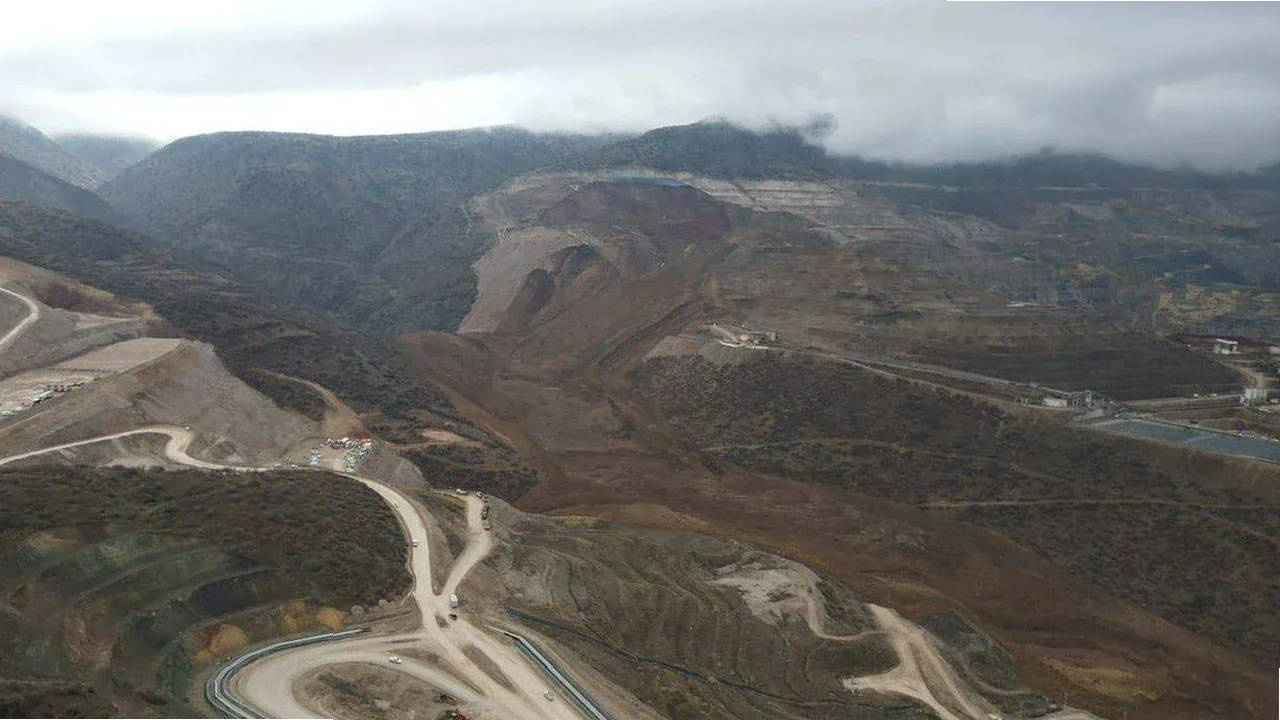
740	432
622	402
145	606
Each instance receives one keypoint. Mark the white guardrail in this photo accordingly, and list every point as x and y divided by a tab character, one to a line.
225	702
581	699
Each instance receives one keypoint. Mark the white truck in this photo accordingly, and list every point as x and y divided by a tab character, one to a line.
453	600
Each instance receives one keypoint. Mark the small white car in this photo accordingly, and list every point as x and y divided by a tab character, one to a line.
395	660
416	543
549	696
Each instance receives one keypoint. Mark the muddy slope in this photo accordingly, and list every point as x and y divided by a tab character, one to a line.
565	384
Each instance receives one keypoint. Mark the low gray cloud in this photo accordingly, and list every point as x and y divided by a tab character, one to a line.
923	81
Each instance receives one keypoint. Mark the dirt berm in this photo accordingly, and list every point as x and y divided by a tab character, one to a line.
186	386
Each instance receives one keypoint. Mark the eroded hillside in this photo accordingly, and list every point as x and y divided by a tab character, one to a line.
253	333
697	627
1065	492
715	431
755	342
116	585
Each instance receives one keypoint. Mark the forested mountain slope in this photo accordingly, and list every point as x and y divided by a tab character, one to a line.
109	154
372	230
35	148
21	181
252	332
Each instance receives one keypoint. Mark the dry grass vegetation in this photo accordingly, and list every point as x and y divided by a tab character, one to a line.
1129	517
1118	365
666	616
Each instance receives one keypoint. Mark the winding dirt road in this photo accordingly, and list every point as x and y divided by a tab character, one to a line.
176	449
271	685
921	673
464	657
33	314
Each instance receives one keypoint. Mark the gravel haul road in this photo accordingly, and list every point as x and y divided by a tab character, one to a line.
33	314
271	685
464	655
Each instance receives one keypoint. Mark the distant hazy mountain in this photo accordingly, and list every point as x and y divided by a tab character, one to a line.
716	148
20	181
721	149
33	147
373	230
108	153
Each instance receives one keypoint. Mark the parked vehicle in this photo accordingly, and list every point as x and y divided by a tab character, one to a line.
453	600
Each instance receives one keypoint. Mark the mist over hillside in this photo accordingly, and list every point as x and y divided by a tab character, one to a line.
723	149
108	153
26	143
376	230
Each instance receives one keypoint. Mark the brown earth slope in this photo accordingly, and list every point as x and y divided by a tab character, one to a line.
178	383
252	331
564	378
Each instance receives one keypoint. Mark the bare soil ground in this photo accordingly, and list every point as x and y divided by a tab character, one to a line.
375	692
52	334
121	356
704	454
696	626
185	386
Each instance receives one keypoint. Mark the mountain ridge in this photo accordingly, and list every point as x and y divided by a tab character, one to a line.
22	181
109	154
33	147
373	229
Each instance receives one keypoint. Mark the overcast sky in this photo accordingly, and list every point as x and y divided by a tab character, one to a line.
1163	82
